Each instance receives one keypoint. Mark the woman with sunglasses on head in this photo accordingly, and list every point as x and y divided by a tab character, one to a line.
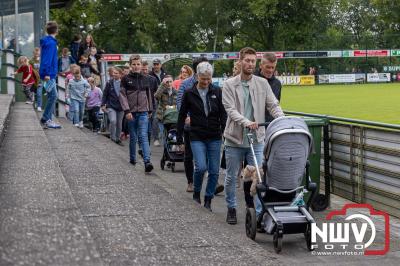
186	72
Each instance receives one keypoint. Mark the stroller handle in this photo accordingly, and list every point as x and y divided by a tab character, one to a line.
266	124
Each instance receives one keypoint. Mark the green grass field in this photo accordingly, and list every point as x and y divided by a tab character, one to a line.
373	102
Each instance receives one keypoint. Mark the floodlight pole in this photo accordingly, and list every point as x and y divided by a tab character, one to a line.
16	27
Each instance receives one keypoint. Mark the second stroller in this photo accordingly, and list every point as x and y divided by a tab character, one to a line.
167	114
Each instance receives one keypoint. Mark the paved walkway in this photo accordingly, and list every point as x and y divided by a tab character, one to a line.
70	197
5	105
40	221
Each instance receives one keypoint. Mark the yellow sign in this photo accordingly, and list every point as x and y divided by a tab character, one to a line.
297	80
307	80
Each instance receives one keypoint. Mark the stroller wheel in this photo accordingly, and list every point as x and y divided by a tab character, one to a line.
277	242
319	203
307	235
251	223
162	164
278	235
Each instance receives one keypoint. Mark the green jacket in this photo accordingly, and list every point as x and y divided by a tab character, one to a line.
164	99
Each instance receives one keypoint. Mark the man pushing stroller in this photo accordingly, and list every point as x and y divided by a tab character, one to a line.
245	98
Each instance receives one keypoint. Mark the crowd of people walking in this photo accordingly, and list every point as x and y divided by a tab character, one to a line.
211	123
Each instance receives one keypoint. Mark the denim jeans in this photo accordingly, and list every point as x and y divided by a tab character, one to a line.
234	157
39	96
206	156
138	128
52	95
78	108
154	126
115	118
149	129
160	132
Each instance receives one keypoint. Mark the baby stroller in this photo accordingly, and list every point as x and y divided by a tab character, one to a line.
172	151
288	144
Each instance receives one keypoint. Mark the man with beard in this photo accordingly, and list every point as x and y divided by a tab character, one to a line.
245	98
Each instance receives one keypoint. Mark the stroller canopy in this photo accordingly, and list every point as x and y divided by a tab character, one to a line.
288	144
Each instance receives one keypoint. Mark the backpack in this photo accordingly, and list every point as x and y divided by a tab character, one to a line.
36	76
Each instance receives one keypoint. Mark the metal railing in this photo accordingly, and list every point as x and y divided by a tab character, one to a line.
8	66
364	161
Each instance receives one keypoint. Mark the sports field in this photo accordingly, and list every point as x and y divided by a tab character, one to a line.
373	102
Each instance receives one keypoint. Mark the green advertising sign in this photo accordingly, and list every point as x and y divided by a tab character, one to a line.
395	52
348	53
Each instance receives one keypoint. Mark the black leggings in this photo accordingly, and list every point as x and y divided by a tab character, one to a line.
188	162
93	117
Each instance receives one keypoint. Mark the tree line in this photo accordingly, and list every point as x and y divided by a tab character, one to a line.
156	26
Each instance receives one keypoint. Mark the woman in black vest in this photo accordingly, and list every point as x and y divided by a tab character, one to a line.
207	122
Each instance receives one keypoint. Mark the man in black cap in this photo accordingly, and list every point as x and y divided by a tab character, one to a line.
157	71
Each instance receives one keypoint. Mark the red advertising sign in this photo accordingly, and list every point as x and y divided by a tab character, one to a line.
372	53
112	57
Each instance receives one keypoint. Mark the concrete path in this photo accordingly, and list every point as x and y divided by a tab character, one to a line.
136	219
6	102
294	250
40	222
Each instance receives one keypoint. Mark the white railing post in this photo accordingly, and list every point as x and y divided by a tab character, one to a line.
62	112
104	73
10	61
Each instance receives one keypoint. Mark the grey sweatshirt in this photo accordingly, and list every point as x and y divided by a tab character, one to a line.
78	89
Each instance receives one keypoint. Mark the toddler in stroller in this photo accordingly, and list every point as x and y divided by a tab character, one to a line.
173	151
288	144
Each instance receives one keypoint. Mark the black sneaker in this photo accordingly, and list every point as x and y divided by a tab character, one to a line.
148	167
196	197
231	216
207	203
132	162
219	189
119	142
43	124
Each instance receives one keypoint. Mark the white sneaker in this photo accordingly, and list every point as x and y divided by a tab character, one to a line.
156	143
81	124
39	109
28	102
52	124
77	125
